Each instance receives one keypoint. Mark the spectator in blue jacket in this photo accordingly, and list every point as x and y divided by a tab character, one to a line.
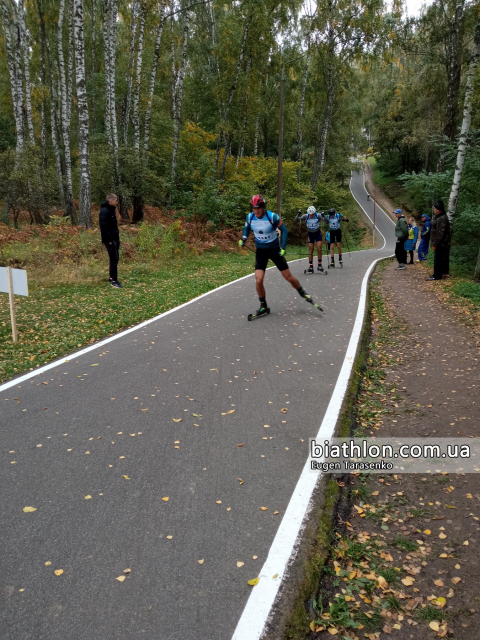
424	238
411	242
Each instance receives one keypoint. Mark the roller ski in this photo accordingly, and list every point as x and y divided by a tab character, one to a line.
321	270
262	311
308	298
310	269
331	265
340	262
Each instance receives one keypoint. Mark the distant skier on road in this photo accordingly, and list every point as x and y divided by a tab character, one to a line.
312	219
334	219
264	225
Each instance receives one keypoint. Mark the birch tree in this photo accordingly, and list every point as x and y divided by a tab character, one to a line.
178	96
300	110
16	90
84	199
151	88
65	118
131	49
467	118
138	78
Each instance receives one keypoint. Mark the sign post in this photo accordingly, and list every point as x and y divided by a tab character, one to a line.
13	282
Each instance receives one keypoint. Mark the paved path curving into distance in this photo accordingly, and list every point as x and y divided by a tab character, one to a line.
167	405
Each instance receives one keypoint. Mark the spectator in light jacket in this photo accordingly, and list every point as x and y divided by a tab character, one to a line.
110	235
411	243
424	238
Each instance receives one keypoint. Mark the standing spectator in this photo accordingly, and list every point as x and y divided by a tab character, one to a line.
440	241
425	238
401	233
110	235
411	242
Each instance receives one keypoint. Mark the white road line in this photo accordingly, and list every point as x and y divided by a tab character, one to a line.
257	610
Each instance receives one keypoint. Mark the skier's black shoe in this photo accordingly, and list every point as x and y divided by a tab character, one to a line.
308	298
320	268
310	268
331	265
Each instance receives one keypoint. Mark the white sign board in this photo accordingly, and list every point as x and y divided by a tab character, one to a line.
19	280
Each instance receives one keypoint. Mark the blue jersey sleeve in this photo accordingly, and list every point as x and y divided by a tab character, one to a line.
283	229
247	228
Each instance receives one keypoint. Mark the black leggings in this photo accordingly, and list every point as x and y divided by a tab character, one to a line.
411	256
112	248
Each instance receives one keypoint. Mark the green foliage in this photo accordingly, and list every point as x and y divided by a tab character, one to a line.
469	290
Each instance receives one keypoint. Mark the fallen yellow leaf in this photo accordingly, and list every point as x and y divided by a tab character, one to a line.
443	555
440	602
465	544
94	365
408	581
227	413
253	582
29	509
169	537
456	580
332	631
438	582
48	563
219	502
264	508
58	572
427	532
165	499
127	571
240	564
434	625
126	477
201	561
88	497
275	513
442	536
197	415
275	576
255	557
177	419
121	578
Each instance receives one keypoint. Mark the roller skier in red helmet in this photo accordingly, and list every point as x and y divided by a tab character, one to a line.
264	225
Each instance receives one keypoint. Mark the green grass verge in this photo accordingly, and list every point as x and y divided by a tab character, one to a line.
58	319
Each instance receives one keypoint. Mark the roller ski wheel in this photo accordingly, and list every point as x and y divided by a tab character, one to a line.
331	265
322	271
258	314
309	270
341	264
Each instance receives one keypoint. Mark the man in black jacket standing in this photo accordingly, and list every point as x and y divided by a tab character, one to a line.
440	241
110	235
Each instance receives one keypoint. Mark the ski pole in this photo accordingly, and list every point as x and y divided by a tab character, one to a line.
348	248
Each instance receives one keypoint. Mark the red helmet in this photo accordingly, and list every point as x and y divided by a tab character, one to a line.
257	201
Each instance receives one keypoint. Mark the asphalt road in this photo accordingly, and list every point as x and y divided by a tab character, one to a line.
132	456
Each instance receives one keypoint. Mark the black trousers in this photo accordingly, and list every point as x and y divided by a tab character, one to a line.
440	262
400	253
113	248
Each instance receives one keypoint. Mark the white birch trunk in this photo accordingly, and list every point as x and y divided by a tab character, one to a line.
17	97
65	118
43	121
128	97
153	75
320	159
24	44
138	78
106	52
179	96
94	53
300	112
85	209
174	73
467	118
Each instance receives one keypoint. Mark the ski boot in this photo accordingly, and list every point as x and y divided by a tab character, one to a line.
332	265
321	269
340	261
310	268
262	311
308	298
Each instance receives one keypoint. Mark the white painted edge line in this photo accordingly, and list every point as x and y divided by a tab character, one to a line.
283	549
97	345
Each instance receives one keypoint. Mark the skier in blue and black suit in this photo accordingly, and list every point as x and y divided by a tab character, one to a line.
312	219
264	225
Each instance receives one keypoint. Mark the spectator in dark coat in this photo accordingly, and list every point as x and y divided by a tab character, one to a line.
440	241
401	233
110	235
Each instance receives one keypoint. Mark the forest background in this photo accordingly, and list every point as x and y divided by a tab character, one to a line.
176	105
